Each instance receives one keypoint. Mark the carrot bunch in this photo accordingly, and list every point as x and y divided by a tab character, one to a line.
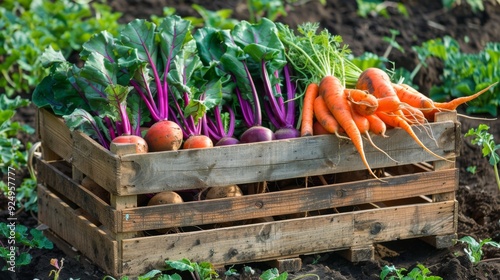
341	99
375	104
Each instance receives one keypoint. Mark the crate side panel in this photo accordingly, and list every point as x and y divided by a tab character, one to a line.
55	134
274	240
287	202
60	182
97	162
77	231
277	160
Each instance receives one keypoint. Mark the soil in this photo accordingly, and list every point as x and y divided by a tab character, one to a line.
477	194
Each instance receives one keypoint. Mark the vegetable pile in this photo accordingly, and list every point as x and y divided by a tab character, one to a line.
170	86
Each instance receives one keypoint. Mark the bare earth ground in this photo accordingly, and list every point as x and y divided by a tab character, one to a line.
478	196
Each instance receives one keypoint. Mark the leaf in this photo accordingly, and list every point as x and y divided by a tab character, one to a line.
261	42
39	240
83	121
50	57
140	34
208	43
149	275
182	265
23	259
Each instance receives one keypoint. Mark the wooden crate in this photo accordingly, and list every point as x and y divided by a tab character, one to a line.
331	209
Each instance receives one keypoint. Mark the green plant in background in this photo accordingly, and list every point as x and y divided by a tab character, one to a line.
476	72
420	272
27	28
13	154
199	271
474	249
369	59
24	241
272	9
486	141
379	7
216	19
476	5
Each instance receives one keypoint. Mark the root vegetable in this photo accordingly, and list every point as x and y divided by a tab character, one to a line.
166	197
222	192
141	146
164	136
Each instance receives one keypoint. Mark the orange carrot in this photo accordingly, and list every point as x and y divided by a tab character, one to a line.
412	97
332	91
325	117
361	101
453	104
363	125
389	104
377	126
398	121
318	129
413	115
377	82
361	122
306	127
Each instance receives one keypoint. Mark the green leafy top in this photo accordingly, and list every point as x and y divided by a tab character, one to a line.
315	54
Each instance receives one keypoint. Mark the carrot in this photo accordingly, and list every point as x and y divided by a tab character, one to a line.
413	115
398	121
377	126
363	126
306	127
362	102
332	91
453	104
318	129
389	104
361	122
412	97
325	117
377	82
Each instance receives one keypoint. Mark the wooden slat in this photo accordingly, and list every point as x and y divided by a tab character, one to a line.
286	202
55	135
97	162
270	161
359	253
49	175
76	230
274	240
441	241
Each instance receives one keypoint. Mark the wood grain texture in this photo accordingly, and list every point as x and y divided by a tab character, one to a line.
51	176
279	239
287	202
78	231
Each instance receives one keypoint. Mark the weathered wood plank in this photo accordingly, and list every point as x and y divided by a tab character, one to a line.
55	135
96	162
274	160
266	241
78	231
286	202
359	253
50	175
